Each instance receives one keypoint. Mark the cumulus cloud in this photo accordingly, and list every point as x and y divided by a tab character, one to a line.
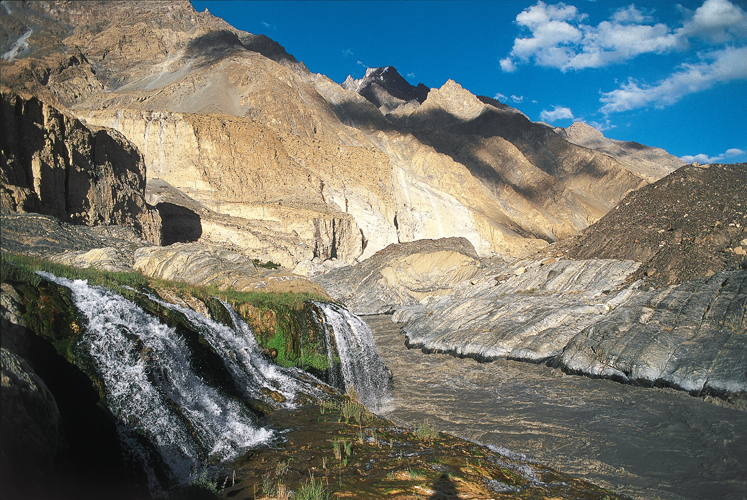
716	21
518	99
559	38
704	158
558	113
602	126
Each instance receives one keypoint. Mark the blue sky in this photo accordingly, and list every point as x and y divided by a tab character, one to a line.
665	74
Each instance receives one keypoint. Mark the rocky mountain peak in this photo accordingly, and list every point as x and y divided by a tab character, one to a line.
580	131
386	87
455	100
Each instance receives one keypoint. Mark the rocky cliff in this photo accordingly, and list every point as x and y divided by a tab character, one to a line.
652	294
240	127
54	164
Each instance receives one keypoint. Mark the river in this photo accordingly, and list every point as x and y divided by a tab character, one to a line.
648	443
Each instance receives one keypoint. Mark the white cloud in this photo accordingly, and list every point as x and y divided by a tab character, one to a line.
347	52
410	75
602	126
721	66
560	39
704	158
630	14
558	113
508	65
518	99
716	21
269	26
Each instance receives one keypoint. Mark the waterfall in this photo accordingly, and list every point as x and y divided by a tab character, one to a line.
361	364
171	416
241	354
150	387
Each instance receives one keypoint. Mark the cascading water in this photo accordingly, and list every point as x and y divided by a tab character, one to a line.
150	387
240	352
170	417
361	365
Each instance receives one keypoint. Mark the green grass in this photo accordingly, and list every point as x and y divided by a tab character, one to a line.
425	431
292	335
312	489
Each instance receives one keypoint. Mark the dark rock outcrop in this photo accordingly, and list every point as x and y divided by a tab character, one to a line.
54	164
386	89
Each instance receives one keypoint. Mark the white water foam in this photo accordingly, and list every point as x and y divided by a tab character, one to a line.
361	364
150	388
240	352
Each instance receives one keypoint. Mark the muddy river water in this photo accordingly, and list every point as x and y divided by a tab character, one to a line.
647	443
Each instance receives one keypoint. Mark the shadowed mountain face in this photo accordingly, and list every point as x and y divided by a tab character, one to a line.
241	128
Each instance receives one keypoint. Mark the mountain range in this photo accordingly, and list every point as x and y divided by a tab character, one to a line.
289	166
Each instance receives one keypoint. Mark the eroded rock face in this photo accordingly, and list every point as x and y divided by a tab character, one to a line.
526	311
690	224
651	163
403	274
692	337
55	165
577	315
233	122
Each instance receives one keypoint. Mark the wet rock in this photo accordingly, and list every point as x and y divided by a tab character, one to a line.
690	337
529	316
577	315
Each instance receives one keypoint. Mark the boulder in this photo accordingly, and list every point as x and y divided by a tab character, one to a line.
402	274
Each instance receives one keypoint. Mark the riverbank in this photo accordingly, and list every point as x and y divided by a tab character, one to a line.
372	458
651	443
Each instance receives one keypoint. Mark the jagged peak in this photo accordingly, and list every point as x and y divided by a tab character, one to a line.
454	99
388	79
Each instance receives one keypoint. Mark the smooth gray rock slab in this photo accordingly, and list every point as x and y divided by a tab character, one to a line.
579	316
690	336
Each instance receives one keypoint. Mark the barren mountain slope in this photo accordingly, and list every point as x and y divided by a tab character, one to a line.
690	224
237	124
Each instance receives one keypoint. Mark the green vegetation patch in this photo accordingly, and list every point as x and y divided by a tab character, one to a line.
287	325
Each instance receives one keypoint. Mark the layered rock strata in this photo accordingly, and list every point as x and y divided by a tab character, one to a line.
404	274
577	315
203	265
119	249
